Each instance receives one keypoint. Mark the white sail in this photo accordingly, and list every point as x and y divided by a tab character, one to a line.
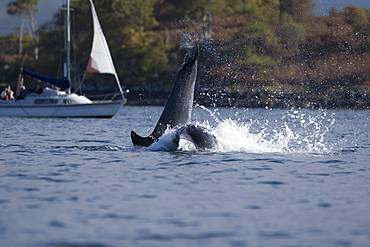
100	58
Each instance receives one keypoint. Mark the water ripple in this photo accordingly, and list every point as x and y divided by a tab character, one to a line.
72	244
276	235
186	236
272	182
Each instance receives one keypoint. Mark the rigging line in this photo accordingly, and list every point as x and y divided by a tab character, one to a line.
57	109
80	84
19	103
74	44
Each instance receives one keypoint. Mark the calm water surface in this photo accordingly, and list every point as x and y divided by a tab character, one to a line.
279	178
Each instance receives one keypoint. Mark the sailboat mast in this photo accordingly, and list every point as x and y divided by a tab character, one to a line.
67	69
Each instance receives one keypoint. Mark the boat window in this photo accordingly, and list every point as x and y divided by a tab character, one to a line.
67	101
45	101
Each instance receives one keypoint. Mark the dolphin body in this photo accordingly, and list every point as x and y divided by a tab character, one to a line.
177	112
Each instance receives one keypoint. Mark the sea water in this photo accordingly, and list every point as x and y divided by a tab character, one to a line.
278	178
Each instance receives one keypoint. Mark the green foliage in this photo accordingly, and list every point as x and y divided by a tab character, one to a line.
20	7
269	12
140	54
137	14
51	51
292	34
333	12
298	9
257	63
254	43
355	16
25	9
242	6
257	35
8	44
141	59
193	9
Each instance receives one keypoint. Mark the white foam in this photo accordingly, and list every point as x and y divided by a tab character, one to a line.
293	132
165	142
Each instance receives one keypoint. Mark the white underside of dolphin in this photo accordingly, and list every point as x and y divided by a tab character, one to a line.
177	112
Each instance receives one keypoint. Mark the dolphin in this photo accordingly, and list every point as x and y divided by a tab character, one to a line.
177	112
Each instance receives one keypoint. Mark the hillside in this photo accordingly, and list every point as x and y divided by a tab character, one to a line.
331	69
254	53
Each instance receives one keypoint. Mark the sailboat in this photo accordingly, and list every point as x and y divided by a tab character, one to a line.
58	100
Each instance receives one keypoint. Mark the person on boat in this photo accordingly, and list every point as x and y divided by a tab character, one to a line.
38	89
7	93
22	93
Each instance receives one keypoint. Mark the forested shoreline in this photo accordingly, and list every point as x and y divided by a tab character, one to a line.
254	53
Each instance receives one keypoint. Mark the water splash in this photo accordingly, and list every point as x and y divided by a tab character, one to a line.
293	132
165	142
296	131
245	137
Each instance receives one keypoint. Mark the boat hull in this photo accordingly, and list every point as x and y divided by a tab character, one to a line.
103	109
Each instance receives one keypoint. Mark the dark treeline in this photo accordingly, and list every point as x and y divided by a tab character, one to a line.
254	53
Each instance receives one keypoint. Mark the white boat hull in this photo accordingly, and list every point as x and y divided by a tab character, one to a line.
93	110
54	103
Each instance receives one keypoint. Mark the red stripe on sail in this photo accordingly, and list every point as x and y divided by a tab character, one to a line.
90	68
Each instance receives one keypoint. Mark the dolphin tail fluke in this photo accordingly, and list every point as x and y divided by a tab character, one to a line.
141	141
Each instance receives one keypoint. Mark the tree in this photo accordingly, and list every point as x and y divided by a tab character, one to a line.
242	6
139	53
142	52
198	13
25	9
355	16
298	9
254	42
138	14
291	34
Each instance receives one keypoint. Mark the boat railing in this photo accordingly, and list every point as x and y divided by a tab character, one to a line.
109	97
112	96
